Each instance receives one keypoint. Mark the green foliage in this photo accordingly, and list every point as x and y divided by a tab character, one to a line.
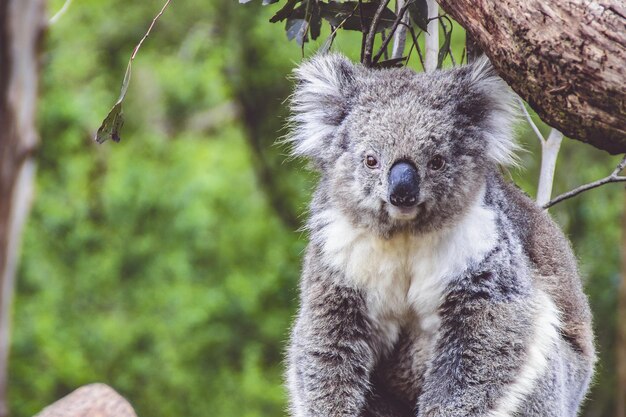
304	18
167	265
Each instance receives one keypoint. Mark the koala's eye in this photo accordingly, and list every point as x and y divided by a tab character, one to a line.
436	163
371	162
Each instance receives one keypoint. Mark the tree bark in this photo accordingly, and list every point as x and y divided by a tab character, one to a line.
22	23
94	400
565	58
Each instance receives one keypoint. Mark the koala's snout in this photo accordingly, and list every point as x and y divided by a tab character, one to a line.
404	184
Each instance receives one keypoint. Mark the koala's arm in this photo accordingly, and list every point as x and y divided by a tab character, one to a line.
330	356
493	344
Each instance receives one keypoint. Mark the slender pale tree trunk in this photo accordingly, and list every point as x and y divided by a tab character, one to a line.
399	38
549	154
432	37
22	23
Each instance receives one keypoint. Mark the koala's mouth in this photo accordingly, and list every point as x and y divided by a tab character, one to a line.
403	213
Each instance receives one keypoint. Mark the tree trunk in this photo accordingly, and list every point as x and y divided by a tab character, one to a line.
565	58
21	28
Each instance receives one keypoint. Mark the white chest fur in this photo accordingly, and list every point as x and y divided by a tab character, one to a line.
406	275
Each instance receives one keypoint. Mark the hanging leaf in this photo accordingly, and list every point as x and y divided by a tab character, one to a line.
315	20
445	48
418	11
112	124
349	13
285	12
297	29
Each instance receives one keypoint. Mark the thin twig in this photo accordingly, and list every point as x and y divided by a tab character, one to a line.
444	30
392	31
383	36
408	56
149	29
530	121
451	57
331	38
614	177
371	34
416	44
328	43
307	27
58	15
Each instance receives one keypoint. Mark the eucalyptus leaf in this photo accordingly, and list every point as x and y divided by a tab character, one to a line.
315	20
348	15
297	29
445	48
112	125
418	11
285	12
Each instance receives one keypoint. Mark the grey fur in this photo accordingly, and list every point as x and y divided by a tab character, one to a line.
502	328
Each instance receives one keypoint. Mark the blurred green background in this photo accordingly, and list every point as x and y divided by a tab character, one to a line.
167	265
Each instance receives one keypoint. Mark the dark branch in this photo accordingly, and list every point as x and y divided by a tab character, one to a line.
363	31
396	22
416	44
614	177
383	35
369	43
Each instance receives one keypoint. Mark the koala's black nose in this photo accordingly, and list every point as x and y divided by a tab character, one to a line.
404	184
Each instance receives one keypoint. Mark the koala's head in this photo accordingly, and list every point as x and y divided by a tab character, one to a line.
400	150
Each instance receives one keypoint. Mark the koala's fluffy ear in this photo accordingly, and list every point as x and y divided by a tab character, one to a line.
320	102
495	110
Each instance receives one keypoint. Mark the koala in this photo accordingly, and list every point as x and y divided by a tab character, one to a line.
431	286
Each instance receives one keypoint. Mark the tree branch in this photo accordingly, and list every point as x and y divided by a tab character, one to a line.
415	44
584	95
614	177
363	30
392	31
369	43
549	154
